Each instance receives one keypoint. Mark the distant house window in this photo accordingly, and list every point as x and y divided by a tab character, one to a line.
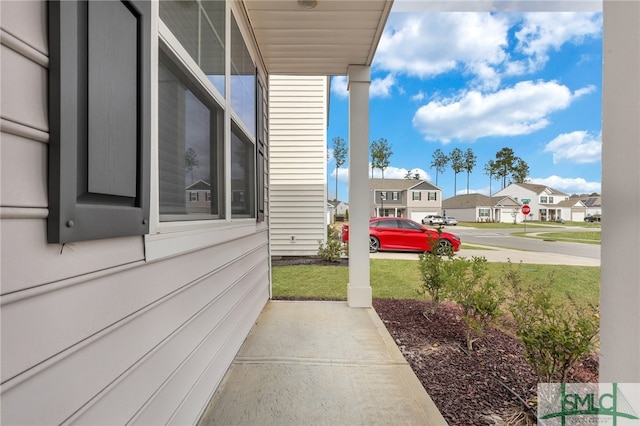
193	196
484	212
395	196
550	200
383	196
417	196
543	199
207	196
431	196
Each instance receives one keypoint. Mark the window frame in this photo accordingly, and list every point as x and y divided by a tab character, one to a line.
167	239
418	194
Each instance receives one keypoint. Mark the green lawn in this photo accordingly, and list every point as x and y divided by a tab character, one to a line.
587	237
400	279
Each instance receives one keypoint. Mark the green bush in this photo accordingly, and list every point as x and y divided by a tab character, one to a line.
432	273
467	283
332	250
555	335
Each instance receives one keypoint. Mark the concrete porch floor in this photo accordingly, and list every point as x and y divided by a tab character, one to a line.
320	363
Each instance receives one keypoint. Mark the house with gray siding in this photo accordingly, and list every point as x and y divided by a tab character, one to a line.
543	201
410	198
135	165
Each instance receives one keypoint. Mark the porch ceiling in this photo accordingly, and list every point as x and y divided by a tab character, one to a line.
323	40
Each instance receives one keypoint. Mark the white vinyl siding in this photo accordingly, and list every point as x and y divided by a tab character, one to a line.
298	197
96	333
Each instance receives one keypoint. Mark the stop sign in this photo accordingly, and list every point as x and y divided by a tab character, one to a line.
526	209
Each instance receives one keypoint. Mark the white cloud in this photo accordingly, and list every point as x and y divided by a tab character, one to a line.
425	45
381	87
339	86
569	185
518	110
576	147
418	97
389	173
542	32
330	155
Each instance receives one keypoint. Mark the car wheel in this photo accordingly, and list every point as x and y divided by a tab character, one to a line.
374	244
444	247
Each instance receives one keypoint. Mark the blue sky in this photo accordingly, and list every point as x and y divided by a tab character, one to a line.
530	81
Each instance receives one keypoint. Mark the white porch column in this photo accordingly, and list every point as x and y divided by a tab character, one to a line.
620	272
359	289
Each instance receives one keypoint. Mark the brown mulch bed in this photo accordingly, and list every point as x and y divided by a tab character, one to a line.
467	387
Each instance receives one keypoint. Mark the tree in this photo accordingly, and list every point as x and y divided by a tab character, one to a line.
412	175
456	158
469	163
505	158
440	161
380	154
340	155
191	161
520	171
490	170
507	164
374	148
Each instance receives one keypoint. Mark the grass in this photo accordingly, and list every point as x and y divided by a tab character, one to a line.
400	279
530	225
588	237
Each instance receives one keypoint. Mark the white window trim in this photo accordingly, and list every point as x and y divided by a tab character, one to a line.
167	239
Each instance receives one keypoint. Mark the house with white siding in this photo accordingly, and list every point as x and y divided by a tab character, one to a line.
543	201
298	111
137	191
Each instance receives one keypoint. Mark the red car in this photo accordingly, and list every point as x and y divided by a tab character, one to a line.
398	233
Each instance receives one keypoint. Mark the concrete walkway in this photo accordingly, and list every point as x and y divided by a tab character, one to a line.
320	363
499	254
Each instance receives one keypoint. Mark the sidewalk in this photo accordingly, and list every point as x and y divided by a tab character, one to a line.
498	254
320	363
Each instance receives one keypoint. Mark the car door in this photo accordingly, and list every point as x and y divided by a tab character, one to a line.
414	236
388	233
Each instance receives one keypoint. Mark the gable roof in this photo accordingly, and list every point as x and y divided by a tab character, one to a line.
467	201
539	189
571	202
199	185
401	184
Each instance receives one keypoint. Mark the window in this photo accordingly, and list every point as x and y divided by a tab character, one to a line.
199	26
550	200
416	195
483	213
242	175
190	144
395	196
243	80
383	196
431	196
543	199
193	196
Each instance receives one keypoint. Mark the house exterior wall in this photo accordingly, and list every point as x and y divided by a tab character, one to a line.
98	331
298	149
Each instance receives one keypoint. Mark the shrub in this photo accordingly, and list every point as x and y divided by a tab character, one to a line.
432	274
479	297
555	336
332	250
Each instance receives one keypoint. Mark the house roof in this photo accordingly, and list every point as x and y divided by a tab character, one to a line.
323	37
467	201
539	189
199	185
571	202
401	184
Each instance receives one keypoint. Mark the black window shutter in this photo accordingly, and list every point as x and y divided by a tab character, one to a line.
260	148
99	119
